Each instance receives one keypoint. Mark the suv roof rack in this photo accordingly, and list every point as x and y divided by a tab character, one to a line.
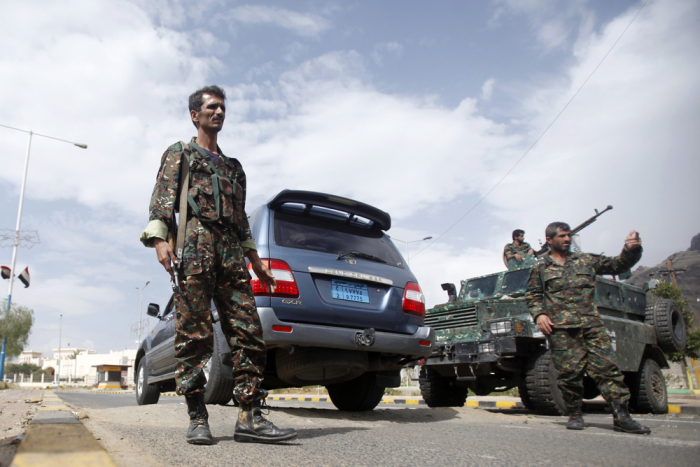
380	218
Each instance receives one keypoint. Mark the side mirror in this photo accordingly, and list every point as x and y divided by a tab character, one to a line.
153	310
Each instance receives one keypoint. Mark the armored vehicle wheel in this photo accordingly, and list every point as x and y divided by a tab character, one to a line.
218	389
648	389
668	322
146	394
440	391
312	365
541	384
358	394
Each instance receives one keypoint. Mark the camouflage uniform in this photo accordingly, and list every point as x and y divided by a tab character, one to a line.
214	267
579	342
522	250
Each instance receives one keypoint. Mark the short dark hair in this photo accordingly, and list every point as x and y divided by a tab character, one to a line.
517	232
196	98
551	230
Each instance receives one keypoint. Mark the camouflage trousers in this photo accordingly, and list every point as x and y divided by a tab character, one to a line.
576	351
527	262
215	269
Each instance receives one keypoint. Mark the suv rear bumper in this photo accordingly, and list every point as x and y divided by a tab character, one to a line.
315	335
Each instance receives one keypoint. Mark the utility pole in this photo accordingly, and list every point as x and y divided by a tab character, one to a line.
60	328
19	223
141	311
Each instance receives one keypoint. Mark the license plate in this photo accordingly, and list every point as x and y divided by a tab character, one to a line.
351	291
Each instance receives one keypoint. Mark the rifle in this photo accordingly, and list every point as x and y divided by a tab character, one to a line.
577	229
172	235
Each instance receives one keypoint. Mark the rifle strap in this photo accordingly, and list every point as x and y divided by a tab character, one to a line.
545	294
184	193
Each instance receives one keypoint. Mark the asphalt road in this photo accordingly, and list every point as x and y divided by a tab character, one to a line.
389	435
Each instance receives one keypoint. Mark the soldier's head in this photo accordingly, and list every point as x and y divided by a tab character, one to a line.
519	235
208	108
558	235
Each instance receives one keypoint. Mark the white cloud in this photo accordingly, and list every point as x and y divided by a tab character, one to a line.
386	48
487	89
309	25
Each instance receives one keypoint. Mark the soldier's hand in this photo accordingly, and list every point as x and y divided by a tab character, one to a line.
518	257
545	324
633	240
261	270
165	255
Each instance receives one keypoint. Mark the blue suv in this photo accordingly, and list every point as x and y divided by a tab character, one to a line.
347	313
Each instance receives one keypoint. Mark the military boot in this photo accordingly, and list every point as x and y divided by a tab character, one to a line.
622	420
198	433
575	416
253	427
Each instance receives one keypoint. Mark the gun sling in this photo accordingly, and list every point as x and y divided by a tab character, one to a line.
184	194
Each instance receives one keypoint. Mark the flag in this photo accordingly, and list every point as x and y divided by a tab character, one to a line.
24	277
5	272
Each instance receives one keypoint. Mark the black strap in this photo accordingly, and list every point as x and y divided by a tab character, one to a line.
184	197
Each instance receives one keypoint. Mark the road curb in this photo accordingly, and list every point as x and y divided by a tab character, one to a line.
55	437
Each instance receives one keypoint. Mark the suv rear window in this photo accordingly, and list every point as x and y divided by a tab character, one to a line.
333	232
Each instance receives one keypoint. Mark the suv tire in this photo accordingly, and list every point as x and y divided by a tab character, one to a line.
146	394
648	388
358	394
525	397
441	391
667	319
541	384
218	390
313	365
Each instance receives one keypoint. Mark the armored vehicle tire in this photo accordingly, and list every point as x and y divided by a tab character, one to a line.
541	384
146	394
667	319
313	365
358	394
440	391
218	390
648	389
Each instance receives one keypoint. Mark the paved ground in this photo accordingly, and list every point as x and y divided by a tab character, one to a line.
17	407
390	435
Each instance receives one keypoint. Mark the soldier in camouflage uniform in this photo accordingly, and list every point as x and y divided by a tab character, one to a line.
519	254
217	241
560	296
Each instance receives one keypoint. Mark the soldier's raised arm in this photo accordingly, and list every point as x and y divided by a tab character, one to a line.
630	255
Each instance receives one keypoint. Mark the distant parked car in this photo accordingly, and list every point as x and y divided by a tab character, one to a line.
55	385
347	313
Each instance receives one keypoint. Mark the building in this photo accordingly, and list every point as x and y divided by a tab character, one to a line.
79	365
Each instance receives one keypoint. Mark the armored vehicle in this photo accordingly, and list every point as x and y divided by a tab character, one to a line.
486	341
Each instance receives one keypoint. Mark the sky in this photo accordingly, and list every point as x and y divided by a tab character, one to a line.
424	110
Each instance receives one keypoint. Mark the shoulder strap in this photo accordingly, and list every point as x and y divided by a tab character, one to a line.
545	294
184	193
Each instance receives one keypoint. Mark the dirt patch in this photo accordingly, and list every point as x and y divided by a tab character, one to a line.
16	410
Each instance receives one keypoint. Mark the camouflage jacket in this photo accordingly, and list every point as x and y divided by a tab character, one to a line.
570	288
515	249
227	180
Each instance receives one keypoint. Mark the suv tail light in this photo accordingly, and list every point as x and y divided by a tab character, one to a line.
413	300
286	284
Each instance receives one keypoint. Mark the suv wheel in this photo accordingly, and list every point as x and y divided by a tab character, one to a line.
668	323
440	391
145	393
541	385
313	365
358	394
648	389
218	390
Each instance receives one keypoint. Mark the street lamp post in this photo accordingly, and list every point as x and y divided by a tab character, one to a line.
141	310
408	260
60	328
16	241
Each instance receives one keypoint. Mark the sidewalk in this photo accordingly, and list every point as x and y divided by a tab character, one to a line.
56	437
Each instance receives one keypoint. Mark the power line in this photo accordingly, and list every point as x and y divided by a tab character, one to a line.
538	139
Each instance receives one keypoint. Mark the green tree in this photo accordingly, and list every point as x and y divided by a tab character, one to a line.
692	349
23	368
16	328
